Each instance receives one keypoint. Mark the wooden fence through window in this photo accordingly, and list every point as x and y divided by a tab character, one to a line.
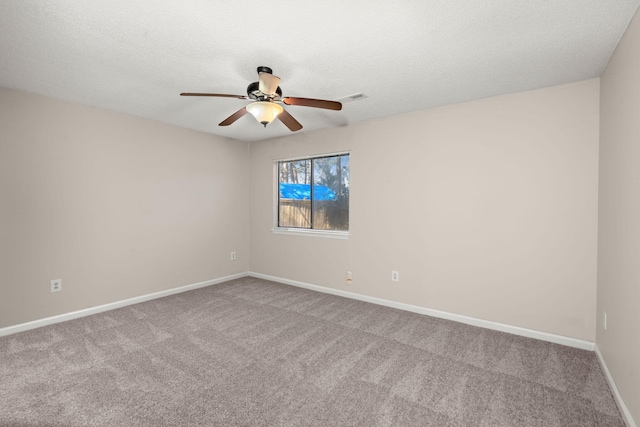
297	213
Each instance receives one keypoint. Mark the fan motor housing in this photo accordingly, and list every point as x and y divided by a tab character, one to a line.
254	93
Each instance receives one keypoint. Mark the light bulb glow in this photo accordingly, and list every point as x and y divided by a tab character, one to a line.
264	111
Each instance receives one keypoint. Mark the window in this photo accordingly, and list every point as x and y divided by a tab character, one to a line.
321	206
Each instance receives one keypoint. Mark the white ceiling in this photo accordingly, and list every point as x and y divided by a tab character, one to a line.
136	57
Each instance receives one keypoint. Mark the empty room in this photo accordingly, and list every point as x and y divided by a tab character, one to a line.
320	214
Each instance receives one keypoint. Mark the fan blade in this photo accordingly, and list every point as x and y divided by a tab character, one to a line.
316	103
232	118
220	95
289	121
268	83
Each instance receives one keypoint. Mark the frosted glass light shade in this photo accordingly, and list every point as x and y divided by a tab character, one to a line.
264	111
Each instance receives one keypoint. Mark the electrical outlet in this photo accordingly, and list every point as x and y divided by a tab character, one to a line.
56	285
395	276
233	256
349	277
604	320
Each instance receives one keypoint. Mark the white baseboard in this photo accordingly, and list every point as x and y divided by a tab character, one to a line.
111	306
544	336
516	330
616	394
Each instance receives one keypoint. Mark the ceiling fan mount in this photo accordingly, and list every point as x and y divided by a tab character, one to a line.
266	95
263	69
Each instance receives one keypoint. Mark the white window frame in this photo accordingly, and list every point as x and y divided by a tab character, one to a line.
294	231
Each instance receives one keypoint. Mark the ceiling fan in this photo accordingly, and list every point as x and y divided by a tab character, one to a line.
266	98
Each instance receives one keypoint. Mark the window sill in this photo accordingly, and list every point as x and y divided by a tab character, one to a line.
344	235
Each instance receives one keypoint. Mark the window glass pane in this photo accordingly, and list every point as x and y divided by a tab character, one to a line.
331	193
294	202
314	193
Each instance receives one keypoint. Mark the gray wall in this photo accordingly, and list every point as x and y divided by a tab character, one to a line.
619	218
114	205
488	209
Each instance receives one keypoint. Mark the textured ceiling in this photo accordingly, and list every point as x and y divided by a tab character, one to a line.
137	56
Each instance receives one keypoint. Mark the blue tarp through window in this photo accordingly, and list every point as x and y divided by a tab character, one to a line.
303	192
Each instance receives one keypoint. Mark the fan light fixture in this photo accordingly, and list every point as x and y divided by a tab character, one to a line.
264	111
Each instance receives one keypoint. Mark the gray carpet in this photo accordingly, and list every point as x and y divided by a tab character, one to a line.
254	353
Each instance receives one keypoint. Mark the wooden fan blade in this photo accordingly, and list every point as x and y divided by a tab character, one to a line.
316	103
232	118
289	121
220	95
268	83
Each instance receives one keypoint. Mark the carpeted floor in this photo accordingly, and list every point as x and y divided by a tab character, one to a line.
255	353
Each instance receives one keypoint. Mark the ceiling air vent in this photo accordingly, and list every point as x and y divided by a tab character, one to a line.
351	98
